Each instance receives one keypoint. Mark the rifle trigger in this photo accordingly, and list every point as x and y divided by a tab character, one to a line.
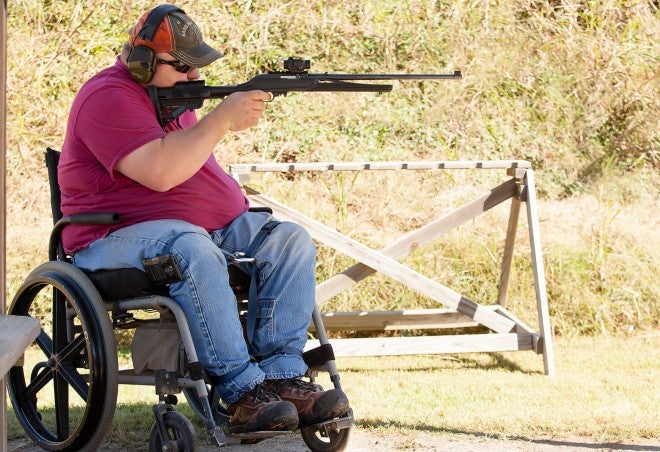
272	96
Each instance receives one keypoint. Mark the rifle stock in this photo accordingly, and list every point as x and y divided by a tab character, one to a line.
170	103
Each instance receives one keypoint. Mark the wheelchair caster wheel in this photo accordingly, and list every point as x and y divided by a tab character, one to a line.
329	436
180	434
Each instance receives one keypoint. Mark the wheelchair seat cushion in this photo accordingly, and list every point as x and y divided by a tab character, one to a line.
124	283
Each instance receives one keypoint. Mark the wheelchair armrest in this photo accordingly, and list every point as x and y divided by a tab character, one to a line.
260	209
92	218
79	218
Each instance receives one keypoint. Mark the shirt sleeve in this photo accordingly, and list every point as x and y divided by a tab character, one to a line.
114	121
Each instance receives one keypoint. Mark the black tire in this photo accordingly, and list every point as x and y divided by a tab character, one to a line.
180	434
77	370
318	441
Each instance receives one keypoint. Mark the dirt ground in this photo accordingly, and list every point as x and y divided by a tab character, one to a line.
365	441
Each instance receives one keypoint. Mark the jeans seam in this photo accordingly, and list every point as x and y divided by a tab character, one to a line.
201	318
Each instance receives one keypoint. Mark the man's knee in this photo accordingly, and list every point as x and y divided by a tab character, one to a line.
193	248
295	235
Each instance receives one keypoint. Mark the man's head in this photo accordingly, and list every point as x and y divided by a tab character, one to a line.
166	36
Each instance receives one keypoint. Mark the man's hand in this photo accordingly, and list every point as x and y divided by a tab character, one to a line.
241	110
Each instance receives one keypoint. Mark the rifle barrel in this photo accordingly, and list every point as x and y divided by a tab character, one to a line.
455	75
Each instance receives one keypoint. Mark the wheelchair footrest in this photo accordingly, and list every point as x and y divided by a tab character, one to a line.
336	424
255	437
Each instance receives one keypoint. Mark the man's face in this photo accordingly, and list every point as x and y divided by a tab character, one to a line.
167	75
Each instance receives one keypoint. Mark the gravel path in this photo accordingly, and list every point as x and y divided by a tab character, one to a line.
366	441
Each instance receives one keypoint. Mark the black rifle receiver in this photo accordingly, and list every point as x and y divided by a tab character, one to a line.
170	103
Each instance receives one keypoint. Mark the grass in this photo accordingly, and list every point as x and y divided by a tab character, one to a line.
571	86
604	392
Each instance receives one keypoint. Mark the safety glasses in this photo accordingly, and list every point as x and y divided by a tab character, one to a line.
178	66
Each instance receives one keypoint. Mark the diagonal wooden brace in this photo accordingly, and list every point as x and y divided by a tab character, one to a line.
419	237
388	266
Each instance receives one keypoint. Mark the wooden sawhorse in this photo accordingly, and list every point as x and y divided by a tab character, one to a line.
508	333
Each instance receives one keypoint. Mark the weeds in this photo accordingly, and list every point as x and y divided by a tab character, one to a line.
570	86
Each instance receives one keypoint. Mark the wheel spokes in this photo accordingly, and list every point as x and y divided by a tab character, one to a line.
61	407
45	343
38	382
71	376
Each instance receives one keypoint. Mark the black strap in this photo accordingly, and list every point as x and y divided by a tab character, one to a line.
154	19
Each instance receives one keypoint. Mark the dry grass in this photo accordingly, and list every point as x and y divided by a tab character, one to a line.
570	85
604	392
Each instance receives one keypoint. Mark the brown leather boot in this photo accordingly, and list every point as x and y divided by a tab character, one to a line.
313	403
260	409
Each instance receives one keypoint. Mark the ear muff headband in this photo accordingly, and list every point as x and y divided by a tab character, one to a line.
141	61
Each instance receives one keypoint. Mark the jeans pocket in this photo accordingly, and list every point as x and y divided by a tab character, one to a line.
264	328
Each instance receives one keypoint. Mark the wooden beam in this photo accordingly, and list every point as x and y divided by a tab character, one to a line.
16	333
507	256
542	308
238	168
3	204
428	345
422	236
387	266
409	319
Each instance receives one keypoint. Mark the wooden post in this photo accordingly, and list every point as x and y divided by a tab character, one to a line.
507	258
539	274
3	210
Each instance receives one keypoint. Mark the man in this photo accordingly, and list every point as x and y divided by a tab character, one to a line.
174	199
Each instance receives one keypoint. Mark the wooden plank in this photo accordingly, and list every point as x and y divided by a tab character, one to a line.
243	168
507	256
412	319
16	333
521	327
539	274
428	345
388	266
3	203
422	236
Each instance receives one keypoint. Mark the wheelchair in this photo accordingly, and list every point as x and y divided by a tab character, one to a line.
77	370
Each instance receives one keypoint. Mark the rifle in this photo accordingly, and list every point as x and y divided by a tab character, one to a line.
170	103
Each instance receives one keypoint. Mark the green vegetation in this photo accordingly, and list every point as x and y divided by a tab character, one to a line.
571	86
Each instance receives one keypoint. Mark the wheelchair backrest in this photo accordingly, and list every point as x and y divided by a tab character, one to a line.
52	160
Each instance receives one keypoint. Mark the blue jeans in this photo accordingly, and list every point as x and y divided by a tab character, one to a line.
285	263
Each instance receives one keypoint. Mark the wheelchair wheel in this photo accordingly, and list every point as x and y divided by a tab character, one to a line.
180	434
322	440
64	392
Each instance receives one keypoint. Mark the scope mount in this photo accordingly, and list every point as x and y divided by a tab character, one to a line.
296	65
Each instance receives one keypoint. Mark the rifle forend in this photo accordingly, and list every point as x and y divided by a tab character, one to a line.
170	103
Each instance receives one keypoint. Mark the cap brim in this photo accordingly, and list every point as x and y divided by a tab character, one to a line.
198	56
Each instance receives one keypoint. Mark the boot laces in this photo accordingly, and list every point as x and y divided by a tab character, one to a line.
261	394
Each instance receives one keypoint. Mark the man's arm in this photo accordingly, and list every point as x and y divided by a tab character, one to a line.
169	161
